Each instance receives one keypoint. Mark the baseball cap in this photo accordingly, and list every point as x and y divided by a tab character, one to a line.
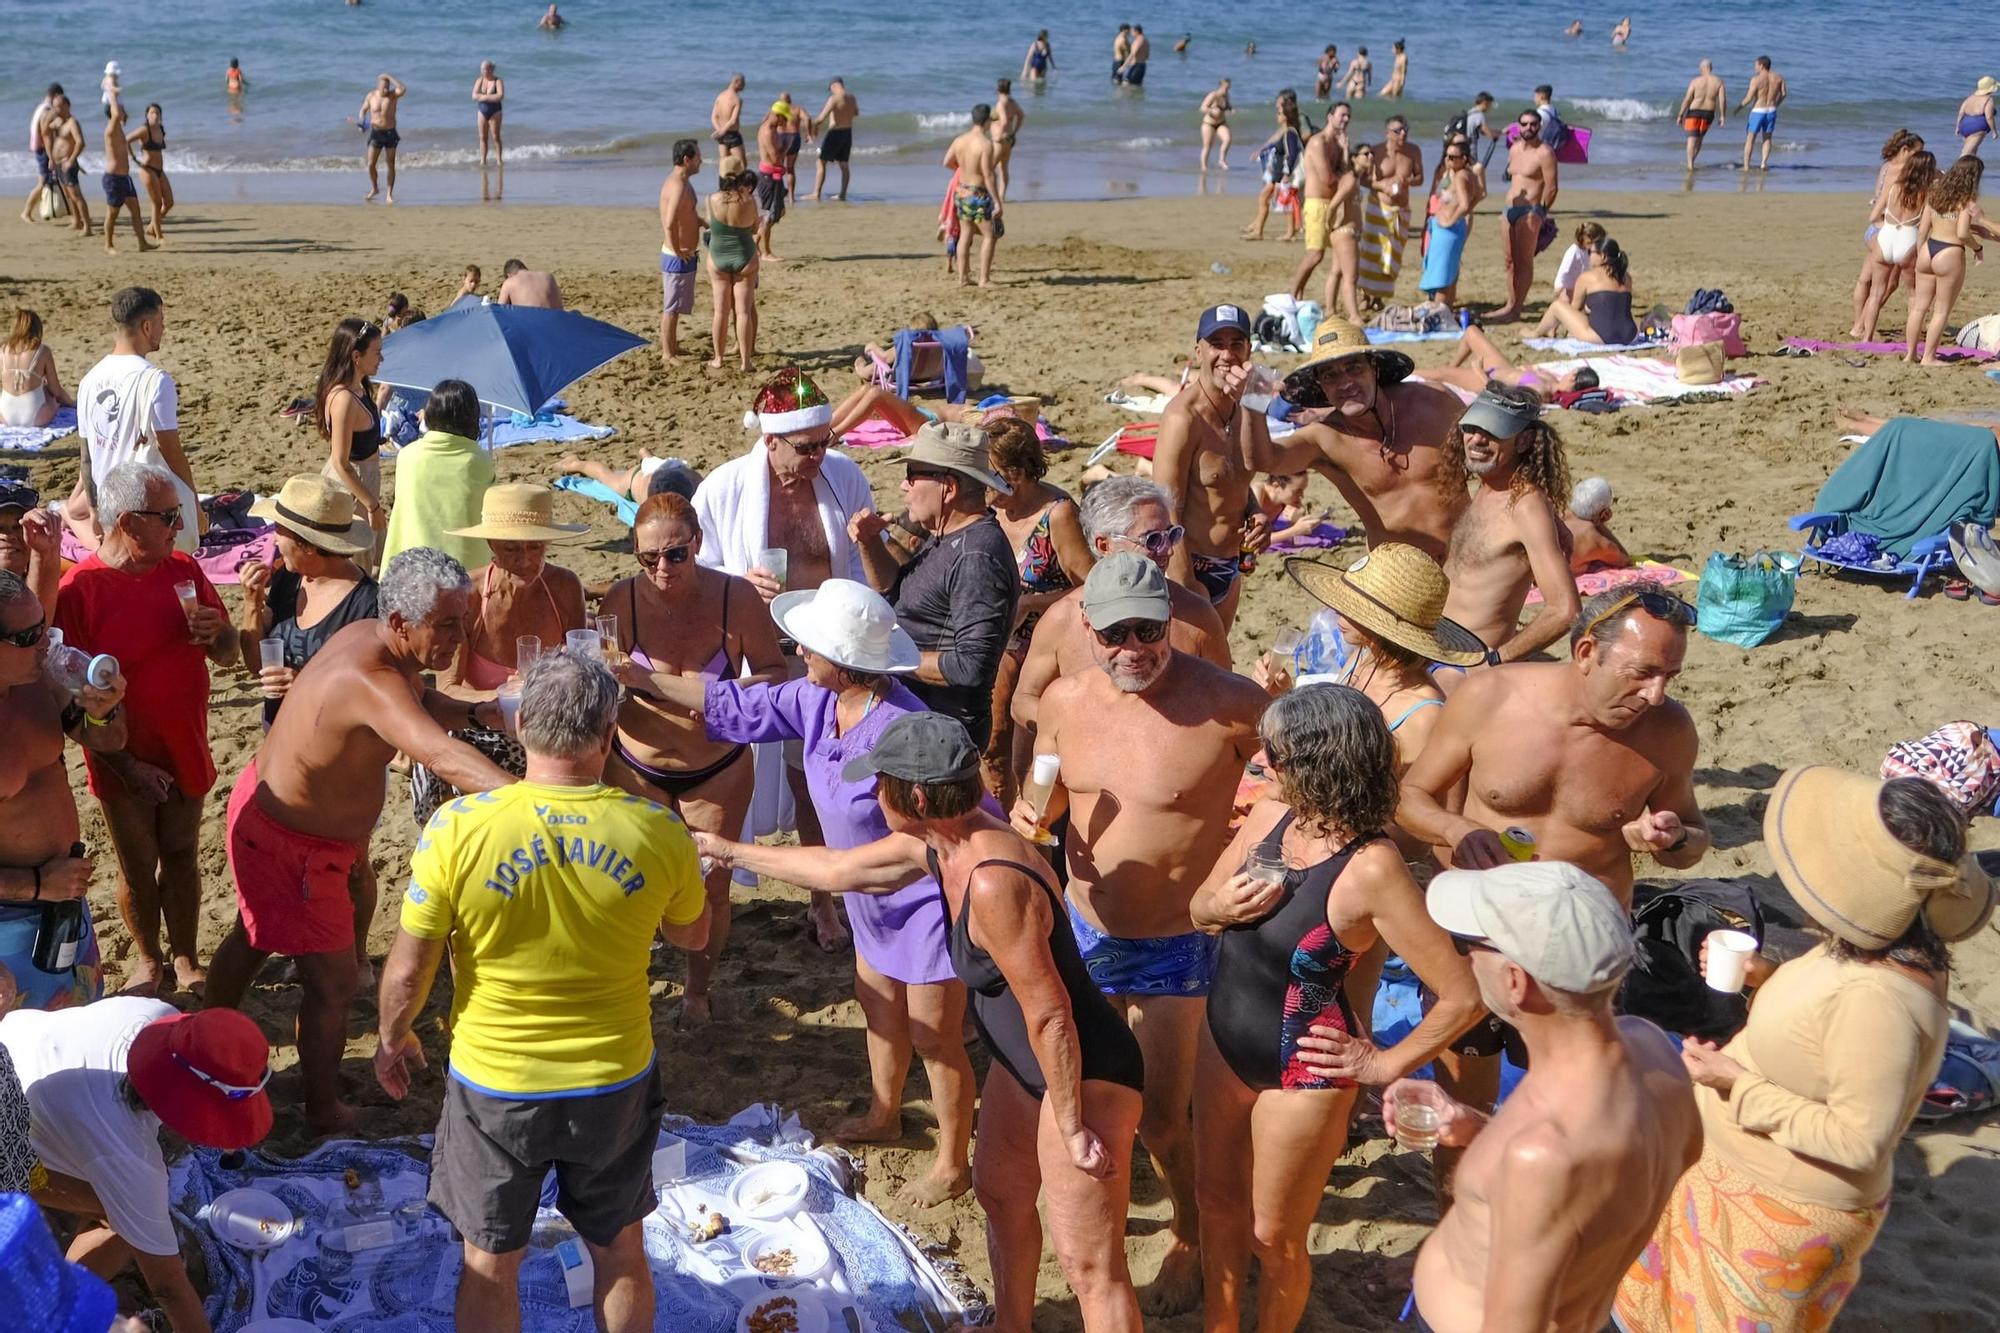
918	747
1125	586
1558	924
1498	417
15	494
1222	317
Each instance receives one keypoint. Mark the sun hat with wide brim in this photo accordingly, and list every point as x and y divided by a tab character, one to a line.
203	1075
1337	340
319	512
956	448
1850	873
1397	593
849	624
519	511
1987	84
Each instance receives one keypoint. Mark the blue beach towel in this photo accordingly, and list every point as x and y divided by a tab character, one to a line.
1441	258
955	343
33	439
625	507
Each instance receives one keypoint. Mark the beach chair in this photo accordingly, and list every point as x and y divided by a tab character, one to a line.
1927	554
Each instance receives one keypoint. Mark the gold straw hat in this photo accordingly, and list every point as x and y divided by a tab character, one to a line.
1396	593
1850	873
519	511
1338	340
318	512
1987	84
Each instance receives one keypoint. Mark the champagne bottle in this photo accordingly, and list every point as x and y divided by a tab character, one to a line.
59	937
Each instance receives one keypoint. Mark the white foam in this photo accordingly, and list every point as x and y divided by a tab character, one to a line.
944	120
1619	108
184	161
1146	141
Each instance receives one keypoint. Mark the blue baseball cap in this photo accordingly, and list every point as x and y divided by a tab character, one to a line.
17	494
1222	317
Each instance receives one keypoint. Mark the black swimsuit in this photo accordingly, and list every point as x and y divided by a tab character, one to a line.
1109	1051
678	782
1277	977
363	445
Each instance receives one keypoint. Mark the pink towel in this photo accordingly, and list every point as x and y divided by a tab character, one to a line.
1601	580
225	551
1949	352
874	433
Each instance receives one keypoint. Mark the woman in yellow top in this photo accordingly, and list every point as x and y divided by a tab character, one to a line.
1802	1110
441	477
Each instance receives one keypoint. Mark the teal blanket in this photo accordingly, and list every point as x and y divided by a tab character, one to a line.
1914	478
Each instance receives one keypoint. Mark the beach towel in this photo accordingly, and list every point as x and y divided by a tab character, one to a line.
954	343
1380	336
33	439
590	488
1150	403
1945	353
408	1285
223	551
1444	246
1730	1256
1321	537
1578	347
874	433
1642	570
1638	379
544	427
1383	233
1914	478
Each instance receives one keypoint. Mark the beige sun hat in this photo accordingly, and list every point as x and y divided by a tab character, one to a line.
1850	873
1339	340
1987	84
1397	593
956	448
319	512
519	511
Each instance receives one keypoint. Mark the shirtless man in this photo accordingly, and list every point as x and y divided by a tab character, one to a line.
1593	545
1321	158
304	806
1531	192
1622	33
1153	743
1704	106
971	155
1119	514
1007	121
790	138
1509	539
680	238
1559	1192
378	118
773	131
524	286
1399	74
726	116
835	126
1767	93
1377	435
64	137
1206	437
1136	56
119	191
39	828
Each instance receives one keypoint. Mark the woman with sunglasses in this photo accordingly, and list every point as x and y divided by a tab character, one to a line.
679	619
1455	192
1286	1047
350	421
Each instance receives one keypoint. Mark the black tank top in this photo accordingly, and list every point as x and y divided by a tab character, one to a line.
1109	1051
365	444
1277	977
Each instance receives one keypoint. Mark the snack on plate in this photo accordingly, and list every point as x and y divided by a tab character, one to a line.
710	1226
779	1315
352	1178
778	1263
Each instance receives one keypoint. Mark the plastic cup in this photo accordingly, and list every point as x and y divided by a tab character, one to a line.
270	653
1728	956
1285	647
1417	1125
777	560
1265	865
585	641
509	696
527	651
190	597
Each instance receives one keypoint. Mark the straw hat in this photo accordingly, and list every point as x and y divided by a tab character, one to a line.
1338	340
319	512
203	1075
847	623
732	164
1987	84
520	511
1851	875
1396	593
956	448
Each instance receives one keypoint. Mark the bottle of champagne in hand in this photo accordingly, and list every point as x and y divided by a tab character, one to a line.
59	937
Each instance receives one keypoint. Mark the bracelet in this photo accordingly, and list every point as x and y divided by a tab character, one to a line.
1679	842
104	721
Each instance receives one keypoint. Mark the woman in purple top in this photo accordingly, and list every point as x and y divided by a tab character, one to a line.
853	651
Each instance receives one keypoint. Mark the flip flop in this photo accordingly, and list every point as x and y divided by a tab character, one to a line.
1986	597
1958	590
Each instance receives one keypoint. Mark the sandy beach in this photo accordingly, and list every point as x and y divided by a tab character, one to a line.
1084	294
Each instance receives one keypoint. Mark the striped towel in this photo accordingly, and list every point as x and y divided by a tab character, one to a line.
1383	235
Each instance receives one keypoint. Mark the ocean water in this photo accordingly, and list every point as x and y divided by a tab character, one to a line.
608	95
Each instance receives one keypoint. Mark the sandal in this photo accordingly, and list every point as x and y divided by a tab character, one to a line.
1958	590
1986	597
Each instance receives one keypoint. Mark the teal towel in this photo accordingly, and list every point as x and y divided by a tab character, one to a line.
627	509
1914	478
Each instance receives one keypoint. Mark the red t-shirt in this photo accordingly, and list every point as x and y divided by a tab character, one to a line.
138	619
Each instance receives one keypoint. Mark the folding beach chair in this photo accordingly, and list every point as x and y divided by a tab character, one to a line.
1927	554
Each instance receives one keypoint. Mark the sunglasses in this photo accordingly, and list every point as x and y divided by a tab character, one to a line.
917	474
229	1090
1467	947
1146	631
811	447
1158	542
26	638
1659	605
673	555
171	517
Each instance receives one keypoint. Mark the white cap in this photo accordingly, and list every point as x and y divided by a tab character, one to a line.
111	67
1559	925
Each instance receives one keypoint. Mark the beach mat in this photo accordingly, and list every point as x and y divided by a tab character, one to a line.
1948	352
1578	347
590	488
874	433
407	1286
1322	537
1381	336
1603	580
544	428
1639	379
33	439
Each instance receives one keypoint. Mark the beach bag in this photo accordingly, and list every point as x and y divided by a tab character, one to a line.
1743	599
1699	363
1714	326
1960	759
1665	985
55	204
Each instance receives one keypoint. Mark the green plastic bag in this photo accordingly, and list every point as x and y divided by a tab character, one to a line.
1743	599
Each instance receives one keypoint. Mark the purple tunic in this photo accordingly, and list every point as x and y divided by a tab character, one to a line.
903	935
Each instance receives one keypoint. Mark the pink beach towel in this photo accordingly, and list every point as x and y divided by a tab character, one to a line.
1602	580
1949	352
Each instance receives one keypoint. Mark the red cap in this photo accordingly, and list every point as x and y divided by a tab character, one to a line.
204	1075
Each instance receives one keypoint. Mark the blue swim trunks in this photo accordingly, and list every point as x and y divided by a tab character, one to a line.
1169	965
1764	122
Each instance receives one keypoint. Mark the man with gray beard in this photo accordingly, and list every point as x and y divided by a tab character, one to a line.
1152	742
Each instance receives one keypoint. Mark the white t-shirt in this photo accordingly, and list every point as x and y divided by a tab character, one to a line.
71	1062
123	401
1574	261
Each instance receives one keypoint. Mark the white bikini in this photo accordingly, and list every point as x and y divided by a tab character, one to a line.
20	407
1896	240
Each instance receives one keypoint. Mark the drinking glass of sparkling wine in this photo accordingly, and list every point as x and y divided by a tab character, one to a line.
527	651
190	598
509	697
1041	785
607	632
1420	1108
270	653
585	641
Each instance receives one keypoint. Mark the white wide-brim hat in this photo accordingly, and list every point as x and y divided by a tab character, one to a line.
847	623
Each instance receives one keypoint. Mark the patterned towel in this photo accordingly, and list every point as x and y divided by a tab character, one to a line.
33	439
1641	379
1578	347
1643	571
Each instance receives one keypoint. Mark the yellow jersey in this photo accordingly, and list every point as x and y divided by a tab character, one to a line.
550	897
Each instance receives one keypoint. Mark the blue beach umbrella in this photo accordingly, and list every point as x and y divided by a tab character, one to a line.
515	358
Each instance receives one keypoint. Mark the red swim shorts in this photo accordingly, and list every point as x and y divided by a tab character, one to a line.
291	887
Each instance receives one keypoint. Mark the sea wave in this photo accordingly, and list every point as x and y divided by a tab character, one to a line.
944	120
196	163
1146	141
1619	108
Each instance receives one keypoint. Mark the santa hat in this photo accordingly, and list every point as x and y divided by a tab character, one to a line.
788	402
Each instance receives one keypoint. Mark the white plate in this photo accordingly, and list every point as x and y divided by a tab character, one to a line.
770	1191
253	1220
809	1250
814	1314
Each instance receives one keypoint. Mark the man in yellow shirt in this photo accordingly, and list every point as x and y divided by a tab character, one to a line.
547	892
